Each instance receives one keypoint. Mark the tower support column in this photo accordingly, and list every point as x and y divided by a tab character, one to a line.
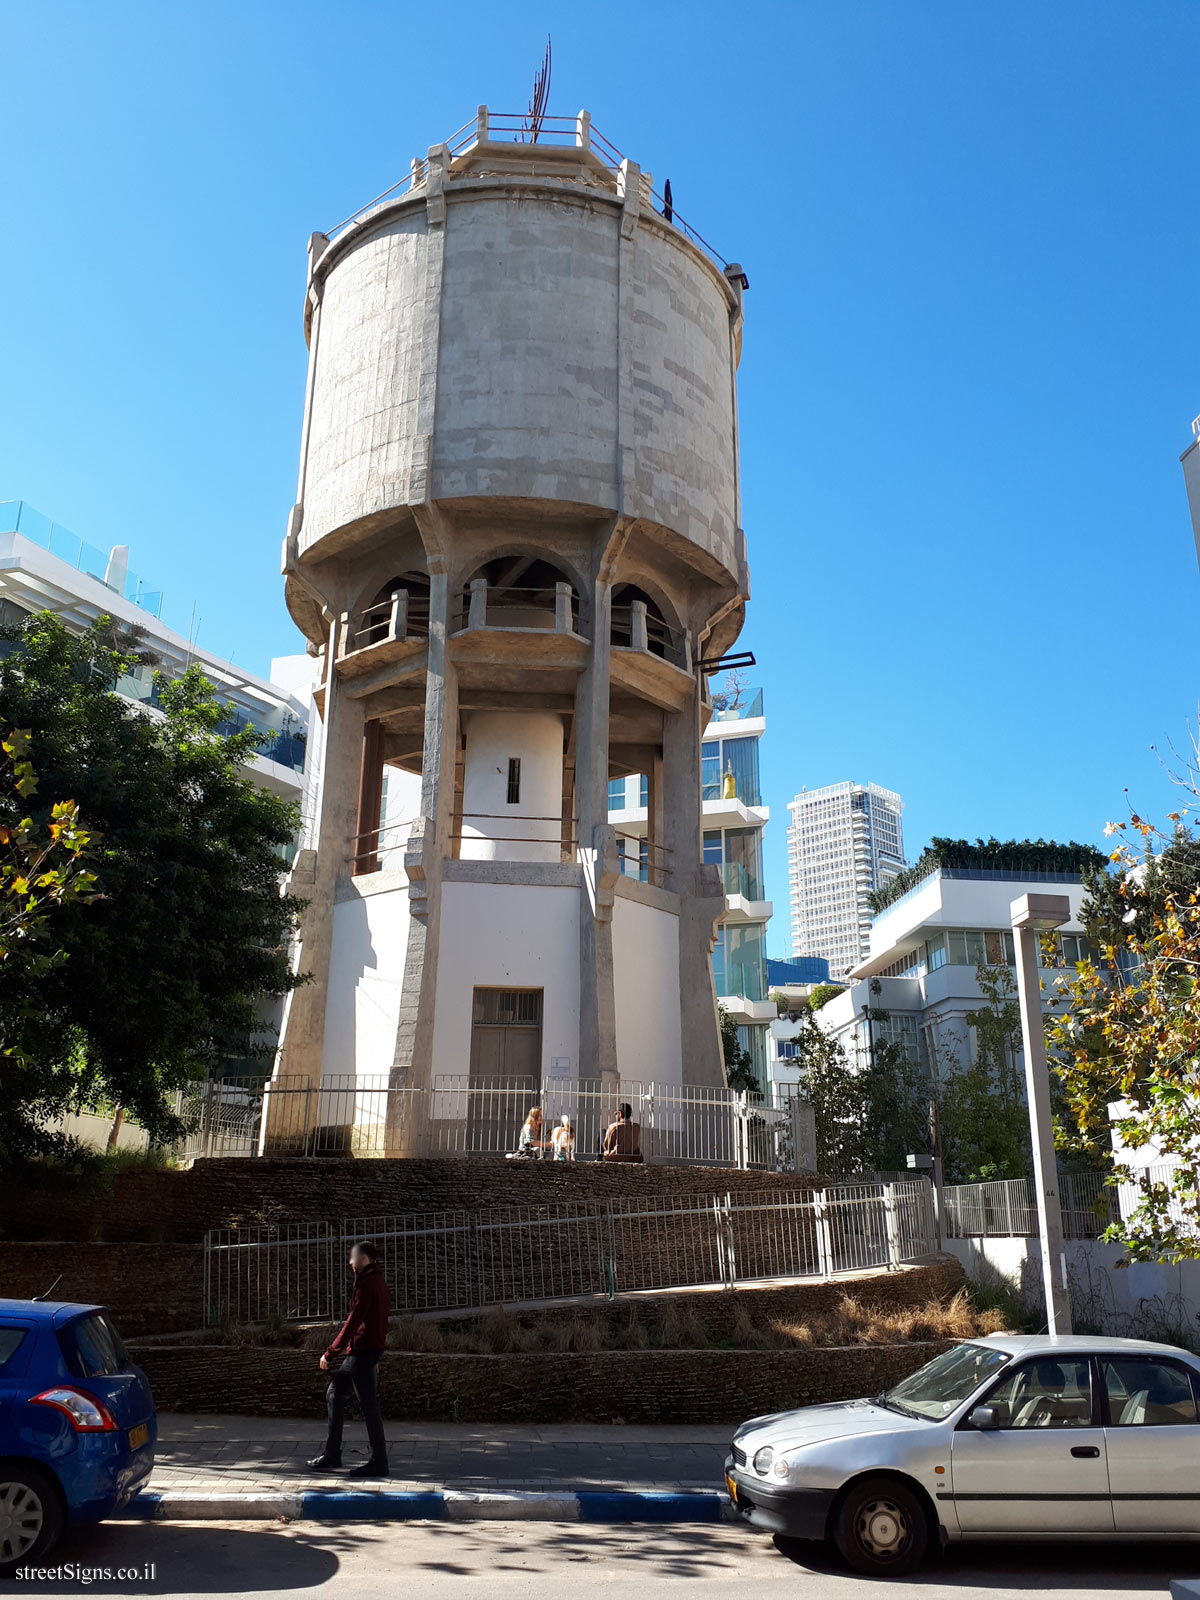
314	878
701	895
428	846
596	852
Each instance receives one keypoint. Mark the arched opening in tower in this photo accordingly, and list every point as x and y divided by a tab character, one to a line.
375	619
662	639
523	591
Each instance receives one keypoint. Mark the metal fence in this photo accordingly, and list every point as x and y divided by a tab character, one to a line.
363	1116
1008	1209
529	1255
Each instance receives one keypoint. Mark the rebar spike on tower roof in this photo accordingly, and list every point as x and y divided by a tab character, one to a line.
532	125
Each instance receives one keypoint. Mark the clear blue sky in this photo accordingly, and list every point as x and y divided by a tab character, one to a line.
971	356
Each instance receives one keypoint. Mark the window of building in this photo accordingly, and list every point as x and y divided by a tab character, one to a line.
753	1040
973	947
710	769
616	794
514	780
712	847
743	850
1074	948
740	757
935	953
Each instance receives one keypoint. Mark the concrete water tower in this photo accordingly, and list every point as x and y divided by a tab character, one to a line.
515	548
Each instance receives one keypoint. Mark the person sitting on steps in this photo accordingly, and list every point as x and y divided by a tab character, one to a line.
623	1141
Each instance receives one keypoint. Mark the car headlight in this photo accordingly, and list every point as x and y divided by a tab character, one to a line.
781	1467
763	1459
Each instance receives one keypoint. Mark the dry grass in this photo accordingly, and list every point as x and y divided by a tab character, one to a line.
728	1322
678	1325
854	1323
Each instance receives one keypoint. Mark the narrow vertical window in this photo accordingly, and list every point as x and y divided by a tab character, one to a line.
514	780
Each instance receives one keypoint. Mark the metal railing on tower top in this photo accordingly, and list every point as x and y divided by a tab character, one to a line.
512	127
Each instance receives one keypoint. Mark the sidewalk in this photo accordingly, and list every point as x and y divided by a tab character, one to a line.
230	1466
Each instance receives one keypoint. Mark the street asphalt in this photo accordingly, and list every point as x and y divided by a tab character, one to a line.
546	1561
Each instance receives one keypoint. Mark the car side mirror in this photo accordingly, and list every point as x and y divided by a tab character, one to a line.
984	1418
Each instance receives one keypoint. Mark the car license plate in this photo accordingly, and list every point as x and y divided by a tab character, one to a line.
732	1487
139	1436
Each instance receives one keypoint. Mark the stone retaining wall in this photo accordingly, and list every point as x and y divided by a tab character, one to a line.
149	1288
169	1206
715	1387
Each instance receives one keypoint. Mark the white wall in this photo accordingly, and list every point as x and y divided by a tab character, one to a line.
1143	1300
942	902
500	936
366	975
646	981
492	738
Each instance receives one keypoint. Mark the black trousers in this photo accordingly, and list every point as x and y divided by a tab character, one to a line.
357	1372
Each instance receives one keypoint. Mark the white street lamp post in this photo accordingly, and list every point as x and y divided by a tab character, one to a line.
1033	915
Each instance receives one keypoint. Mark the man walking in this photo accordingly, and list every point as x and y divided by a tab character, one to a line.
361	1339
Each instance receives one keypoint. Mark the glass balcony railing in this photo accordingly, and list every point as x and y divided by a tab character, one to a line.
16	516
750	705
738	879
280	744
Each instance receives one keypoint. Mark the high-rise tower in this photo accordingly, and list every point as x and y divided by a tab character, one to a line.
843	841
515	547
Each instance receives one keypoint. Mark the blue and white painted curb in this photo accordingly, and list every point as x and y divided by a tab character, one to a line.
438	1505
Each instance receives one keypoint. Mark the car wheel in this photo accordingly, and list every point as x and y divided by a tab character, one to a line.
881	1528
31	1517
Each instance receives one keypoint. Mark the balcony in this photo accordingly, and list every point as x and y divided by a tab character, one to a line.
393	629
650	658
743	711
530	626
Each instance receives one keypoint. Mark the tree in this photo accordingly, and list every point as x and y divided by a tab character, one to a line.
983	1121
1130	1037
868	1113
823	993
39	869
165	972
41	872
739	1068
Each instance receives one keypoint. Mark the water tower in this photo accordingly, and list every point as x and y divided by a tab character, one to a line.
515	549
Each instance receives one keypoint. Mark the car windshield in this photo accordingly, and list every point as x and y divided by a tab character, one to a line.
942	1384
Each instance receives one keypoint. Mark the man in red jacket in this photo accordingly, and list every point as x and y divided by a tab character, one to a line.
361	1339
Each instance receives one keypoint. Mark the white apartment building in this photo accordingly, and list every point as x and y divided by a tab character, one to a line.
843	841
734	818
924	951
44	567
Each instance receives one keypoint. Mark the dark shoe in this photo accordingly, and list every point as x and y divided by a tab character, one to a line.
324	1463
369	1469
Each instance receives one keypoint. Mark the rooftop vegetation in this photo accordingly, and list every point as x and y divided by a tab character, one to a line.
1031	856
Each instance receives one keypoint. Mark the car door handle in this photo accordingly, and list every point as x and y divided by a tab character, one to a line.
1085	1451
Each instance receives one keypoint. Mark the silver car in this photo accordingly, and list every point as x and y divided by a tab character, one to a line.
1008	1436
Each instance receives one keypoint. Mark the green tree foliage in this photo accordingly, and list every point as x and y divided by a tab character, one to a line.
996	855
1130	1036
868	1113
39	868
165	970
739	1069
983	1121
823	993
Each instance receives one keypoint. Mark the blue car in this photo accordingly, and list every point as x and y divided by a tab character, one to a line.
77	1425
